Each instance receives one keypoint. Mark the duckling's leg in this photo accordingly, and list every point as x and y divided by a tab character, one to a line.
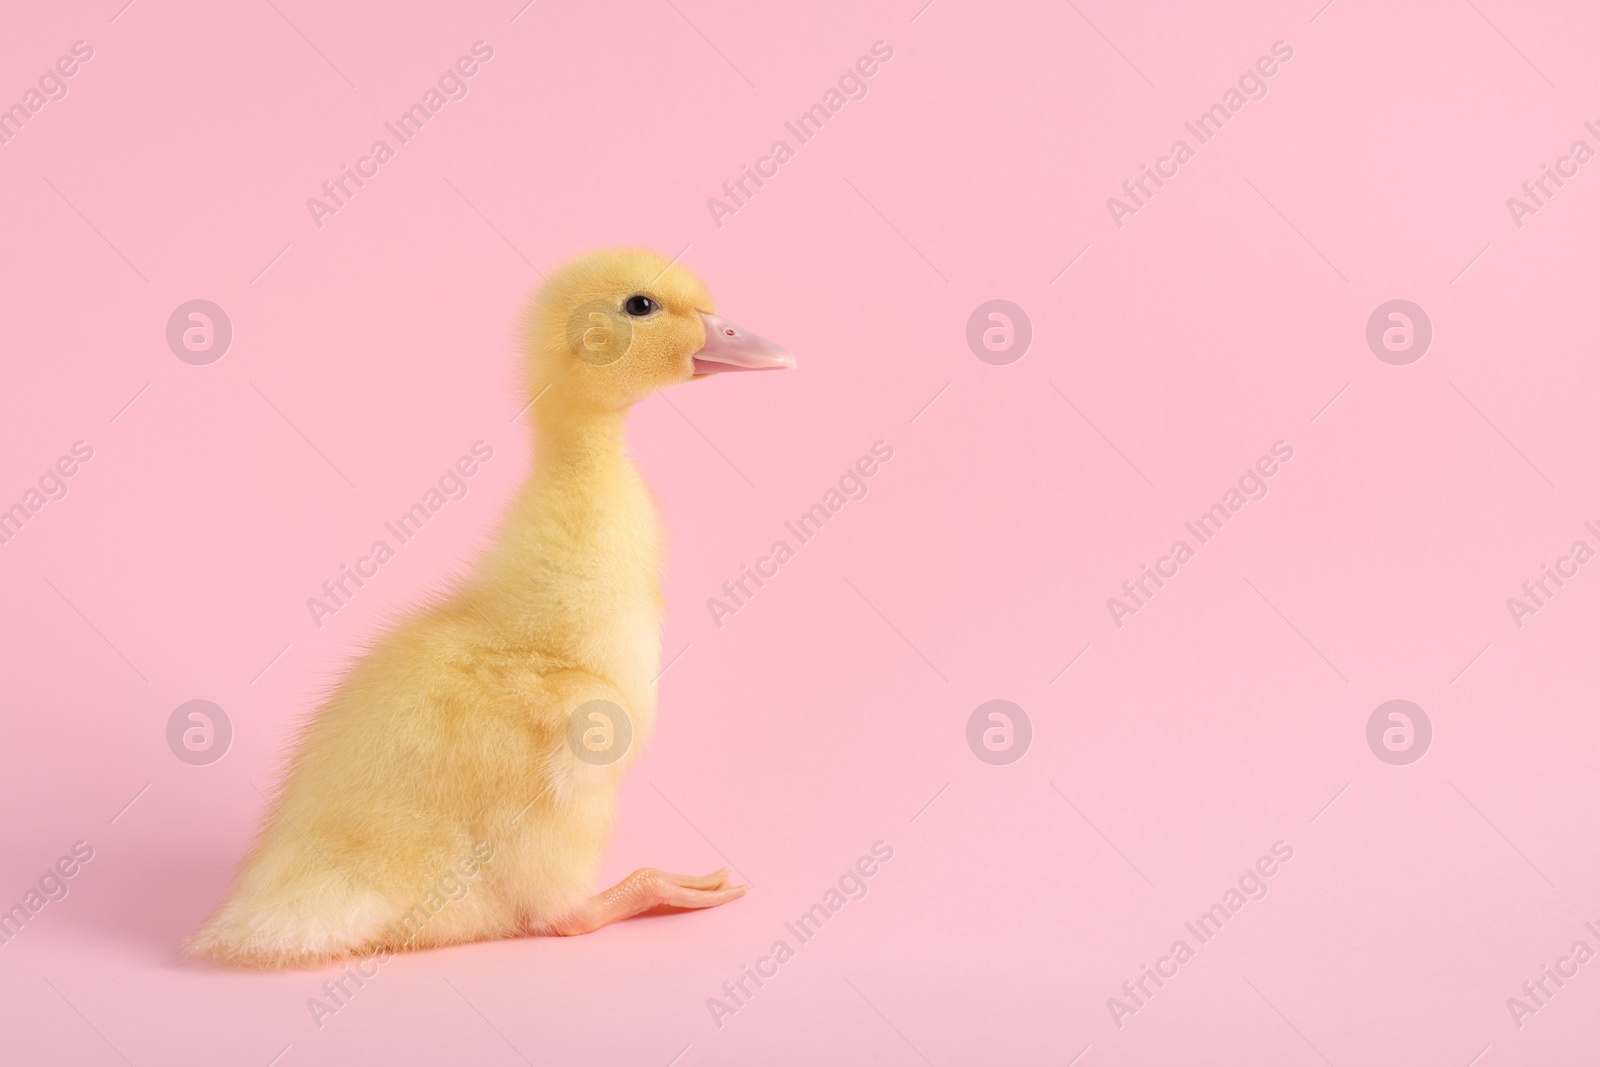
642	891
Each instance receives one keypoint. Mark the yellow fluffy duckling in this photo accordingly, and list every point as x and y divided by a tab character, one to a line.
460	783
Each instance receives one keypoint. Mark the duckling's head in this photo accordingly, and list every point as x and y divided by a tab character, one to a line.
612	327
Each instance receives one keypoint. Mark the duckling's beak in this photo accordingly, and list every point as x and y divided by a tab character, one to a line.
732	347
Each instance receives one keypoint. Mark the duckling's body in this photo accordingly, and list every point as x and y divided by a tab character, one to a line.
443	793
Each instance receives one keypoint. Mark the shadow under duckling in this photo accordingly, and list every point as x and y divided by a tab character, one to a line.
460	783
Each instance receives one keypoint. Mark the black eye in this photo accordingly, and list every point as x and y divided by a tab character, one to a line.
639	304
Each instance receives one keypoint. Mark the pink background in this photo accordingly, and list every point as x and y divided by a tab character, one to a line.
1223	317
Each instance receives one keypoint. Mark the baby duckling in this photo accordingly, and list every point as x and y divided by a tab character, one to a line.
460	783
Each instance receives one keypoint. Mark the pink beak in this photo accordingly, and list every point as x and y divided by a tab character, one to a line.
729	347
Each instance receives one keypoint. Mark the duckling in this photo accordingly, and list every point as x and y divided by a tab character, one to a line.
460	783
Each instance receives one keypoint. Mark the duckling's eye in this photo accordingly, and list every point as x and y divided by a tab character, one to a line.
640	305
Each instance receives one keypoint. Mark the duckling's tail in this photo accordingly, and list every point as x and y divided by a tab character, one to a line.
304	923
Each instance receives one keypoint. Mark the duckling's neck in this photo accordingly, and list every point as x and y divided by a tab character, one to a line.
576	570
584	490
572	441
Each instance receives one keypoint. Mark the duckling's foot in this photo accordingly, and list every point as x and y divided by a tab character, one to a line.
642	891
